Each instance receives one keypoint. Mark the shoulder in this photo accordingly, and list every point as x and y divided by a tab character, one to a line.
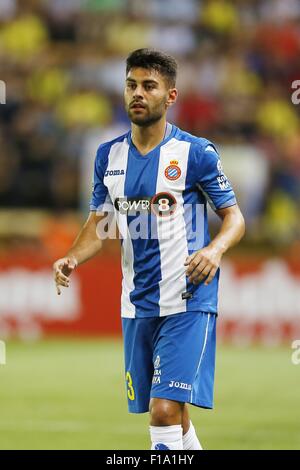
104	148
199	145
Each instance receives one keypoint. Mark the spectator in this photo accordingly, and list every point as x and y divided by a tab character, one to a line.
63	65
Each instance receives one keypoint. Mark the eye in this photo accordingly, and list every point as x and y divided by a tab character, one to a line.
131	85
149	87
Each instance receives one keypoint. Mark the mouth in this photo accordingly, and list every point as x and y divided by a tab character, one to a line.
137	106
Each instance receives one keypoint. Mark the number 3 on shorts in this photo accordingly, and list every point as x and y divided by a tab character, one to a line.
130	389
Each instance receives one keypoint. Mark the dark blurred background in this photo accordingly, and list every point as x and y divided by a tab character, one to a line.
63	63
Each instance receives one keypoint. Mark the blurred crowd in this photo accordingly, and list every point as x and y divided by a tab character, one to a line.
63	65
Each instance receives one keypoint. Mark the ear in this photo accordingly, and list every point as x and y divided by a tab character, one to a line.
172	97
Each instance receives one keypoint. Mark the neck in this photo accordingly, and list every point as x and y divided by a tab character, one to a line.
147	138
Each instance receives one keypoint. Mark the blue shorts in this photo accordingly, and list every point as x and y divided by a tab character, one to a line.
170	357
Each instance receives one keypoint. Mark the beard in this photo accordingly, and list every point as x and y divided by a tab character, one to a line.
147	118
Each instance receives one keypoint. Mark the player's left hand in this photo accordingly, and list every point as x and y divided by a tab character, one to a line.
203	264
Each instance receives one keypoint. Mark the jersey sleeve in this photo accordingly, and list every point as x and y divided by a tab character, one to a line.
100	200
210	178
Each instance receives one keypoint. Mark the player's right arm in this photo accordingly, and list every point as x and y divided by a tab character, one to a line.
86	245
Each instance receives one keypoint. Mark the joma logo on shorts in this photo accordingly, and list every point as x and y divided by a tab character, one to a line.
180	385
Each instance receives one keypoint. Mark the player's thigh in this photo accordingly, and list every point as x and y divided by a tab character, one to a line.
184	351
138	353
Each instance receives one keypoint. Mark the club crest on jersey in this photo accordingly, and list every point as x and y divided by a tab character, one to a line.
173	172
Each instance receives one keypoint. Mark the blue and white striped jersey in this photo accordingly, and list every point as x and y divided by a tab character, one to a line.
160	204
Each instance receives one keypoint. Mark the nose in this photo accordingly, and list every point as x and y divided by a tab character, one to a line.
138	92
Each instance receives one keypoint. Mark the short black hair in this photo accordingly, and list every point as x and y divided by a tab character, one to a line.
149	59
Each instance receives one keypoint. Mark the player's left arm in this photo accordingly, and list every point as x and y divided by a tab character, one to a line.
205	262
213	183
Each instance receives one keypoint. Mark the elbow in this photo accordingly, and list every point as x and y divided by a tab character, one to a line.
242	225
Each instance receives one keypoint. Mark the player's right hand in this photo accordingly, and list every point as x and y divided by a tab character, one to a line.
62	269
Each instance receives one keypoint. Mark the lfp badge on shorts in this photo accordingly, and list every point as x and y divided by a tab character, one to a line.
173	172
